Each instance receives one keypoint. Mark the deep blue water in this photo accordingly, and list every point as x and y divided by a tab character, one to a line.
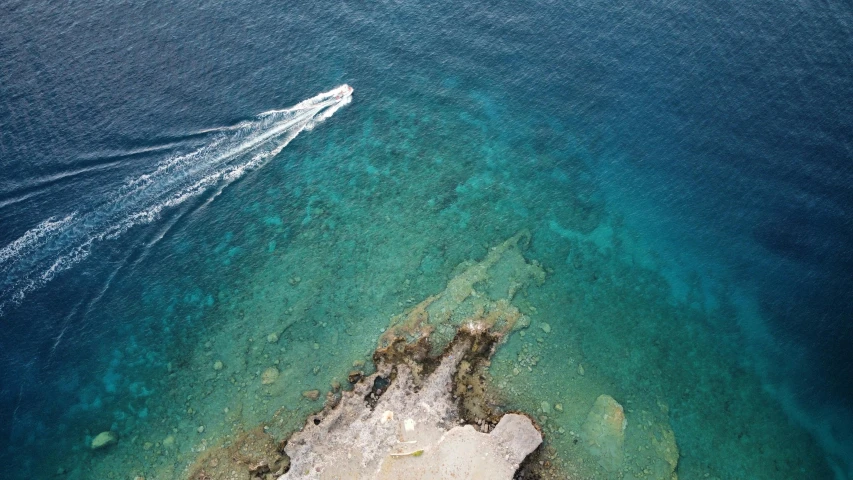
721	131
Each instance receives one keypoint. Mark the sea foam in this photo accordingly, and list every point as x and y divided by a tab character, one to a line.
56	244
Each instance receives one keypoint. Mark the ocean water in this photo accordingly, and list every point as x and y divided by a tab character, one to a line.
181	208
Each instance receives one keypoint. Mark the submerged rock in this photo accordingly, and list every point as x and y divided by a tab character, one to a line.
604	432
660	454
311	394
479	298
252	454
104	440
666	450
269	376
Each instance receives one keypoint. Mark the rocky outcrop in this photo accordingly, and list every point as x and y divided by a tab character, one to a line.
408	432
403	422
252	454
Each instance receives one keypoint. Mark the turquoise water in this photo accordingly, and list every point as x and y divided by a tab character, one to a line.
691	273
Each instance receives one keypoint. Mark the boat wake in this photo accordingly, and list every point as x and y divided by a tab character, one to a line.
56	244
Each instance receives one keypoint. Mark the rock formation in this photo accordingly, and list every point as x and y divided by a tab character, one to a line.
604	432
408	432
405	421
104	440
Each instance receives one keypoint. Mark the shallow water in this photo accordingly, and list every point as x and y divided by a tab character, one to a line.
684	174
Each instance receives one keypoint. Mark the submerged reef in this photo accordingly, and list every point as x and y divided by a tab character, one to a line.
478	297
431	409
427	412
435	402
253	454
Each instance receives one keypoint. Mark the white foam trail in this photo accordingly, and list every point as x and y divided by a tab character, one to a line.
114	154
57	244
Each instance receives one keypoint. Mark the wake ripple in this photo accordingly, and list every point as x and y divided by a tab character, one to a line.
56	244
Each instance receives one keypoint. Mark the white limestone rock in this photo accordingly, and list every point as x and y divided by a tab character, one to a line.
410	434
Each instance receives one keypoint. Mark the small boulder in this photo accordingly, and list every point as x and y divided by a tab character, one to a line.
104	440
517	435
311	394
269	376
